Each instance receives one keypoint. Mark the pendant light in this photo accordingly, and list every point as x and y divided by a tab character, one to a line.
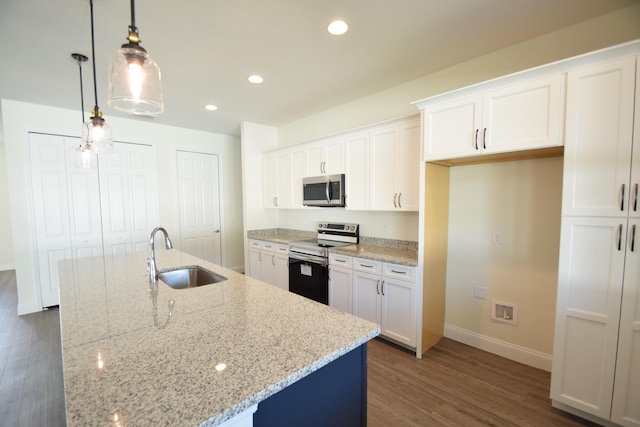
134	77
96	132
84	148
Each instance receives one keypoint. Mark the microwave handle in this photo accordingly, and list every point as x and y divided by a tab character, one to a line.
328	191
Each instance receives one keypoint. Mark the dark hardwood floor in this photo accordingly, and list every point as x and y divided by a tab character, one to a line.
31	385
453	385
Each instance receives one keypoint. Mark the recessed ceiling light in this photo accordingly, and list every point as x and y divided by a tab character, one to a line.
255	79
337	28
211	107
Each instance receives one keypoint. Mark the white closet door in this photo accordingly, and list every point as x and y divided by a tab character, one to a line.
198	183
50	209
129	191
66	208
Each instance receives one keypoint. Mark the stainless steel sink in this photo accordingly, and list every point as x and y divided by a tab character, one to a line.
189	277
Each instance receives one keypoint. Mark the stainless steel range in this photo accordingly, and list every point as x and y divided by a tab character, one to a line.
309	259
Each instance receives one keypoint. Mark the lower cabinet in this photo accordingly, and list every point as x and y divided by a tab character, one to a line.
269	262
340	277
381	292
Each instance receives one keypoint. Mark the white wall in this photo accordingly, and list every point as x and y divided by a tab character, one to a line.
19	118
6	245
522	201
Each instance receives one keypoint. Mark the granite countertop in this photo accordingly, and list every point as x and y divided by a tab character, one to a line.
127	361
385	250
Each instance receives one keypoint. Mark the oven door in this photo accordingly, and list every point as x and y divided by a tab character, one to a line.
309	278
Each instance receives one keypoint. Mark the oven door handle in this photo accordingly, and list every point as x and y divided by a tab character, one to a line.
308	258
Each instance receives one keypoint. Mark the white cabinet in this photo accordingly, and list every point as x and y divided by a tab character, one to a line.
596	357
269	262
325	157
518	117
357	171
386	294
394	167
270	181
340	278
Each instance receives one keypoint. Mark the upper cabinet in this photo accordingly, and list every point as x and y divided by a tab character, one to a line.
325	157
381	164
394	166
597	157
282	178
518	117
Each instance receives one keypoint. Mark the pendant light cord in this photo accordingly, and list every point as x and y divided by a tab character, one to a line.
81	90
93	60
132	27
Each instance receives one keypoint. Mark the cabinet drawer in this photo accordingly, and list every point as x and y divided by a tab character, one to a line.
255	244
340	260
367	265
402	272
281	249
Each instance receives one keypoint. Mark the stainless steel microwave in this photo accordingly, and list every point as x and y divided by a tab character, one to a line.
325	190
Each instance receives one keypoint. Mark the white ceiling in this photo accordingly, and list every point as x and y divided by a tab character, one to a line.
207	48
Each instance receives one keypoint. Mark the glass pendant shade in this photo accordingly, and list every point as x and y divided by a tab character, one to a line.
96	136
135	84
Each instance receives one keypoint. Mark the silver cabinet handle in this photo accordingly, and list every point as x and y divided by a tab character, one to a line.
395	195
340	260
484	139
620	237
399	202
633	238
273	260
476	140
382	287
366	266
635	197
378	287
398	272
216	231
622	197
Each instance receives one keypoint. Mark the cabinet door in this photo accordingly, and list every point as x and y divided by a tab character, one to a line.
270	181
283	185
626	393
298	169
357	171
366	296
634	187
255	260
269	267
592	252
282	271
334	156
407	168
340	295
398	320
523	116
383	160
451	129
597	154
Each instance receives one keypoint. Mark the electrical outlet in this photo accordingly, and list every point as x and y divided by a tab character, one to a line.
479	292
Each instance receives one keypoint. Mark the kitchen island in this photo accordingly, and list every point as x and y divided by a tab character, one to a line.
135	354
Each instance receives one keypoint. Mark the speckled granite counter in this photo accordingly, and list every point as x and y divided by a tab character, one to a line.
126	359
280	235
386	250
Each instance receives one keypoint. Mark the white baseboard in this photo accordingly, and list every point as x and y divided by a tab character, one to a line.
507	350
7	267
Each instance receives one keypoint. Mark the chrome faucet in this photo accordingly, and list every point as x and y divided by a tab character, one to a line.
151	261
